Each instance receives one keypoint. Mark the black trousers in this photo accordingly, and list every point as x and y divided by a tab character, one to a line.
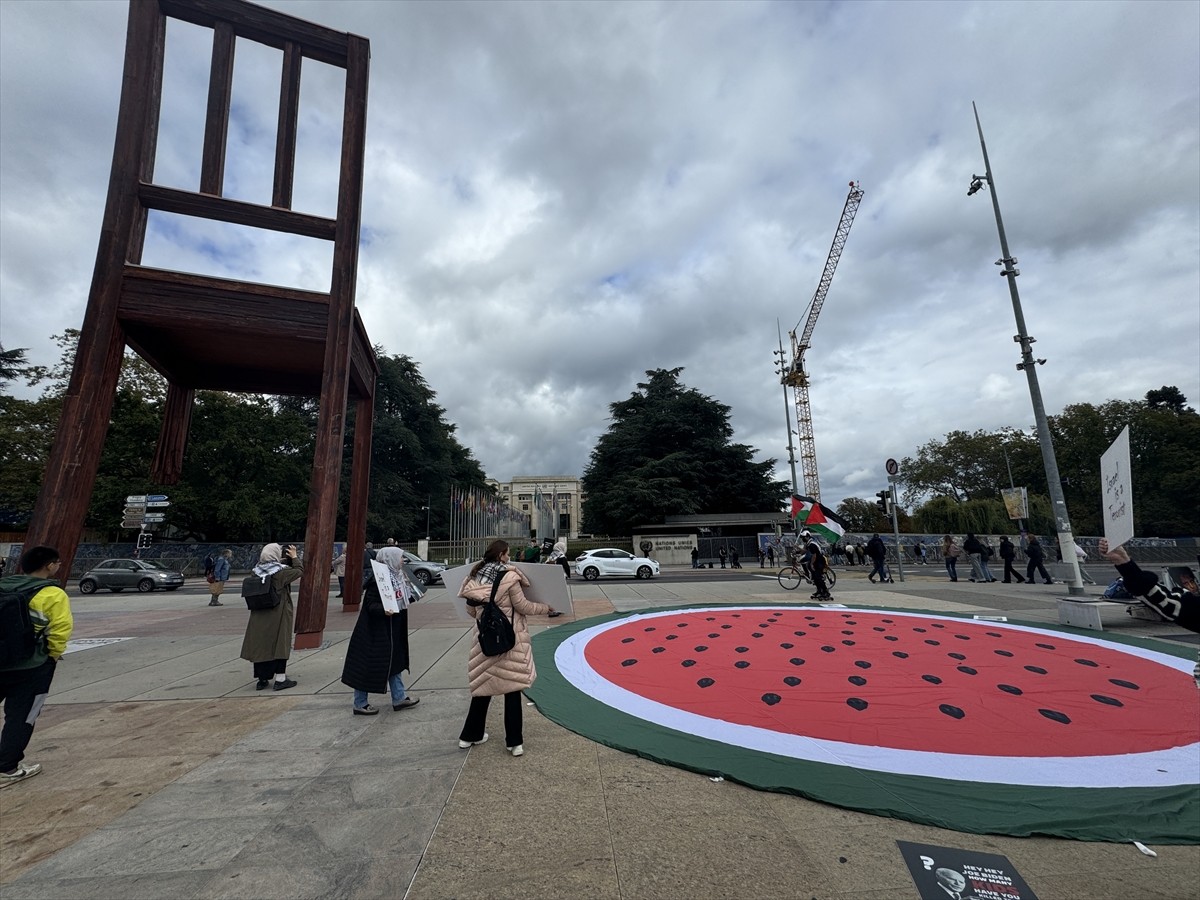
23	692
1040	568
1010	572
472	729
265	671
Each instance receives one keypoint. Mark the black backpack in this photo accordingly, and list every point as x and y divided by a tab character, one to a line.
496	633
260	593
18	641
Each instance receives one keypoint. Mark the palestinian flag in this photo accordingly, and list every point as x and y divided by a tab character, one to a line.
822	522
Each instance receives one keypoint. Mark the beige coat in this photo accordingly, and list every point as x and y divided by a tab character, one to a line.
490	676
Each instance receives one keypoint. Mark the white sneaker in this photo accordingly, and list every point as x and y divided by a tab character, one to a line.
465	745
20	773
518	750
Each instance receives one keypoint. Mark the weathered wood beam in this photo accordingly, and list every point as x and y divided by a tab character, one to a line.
285	133
266	26
216	120
167	466
236	212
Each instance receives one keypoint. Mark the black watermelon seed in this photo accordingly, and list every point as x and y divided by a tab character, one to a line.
857	679
963	637
629	662
849	622
787	646
1037	669
956	656
847	632
1125	684
967	670
700	648
1002	653
773	619
741	664
710	619
706	682
762	625
1046	646
771	699
937	625
1087	662
890	637
726	626
651	628
1056	716
742	649
1109	701
681	625
879	628
953	711
1010	689
688	663
933	643
888	621
659	650
815	625
791	681
857	703
900	653
737	615
993	634
932	679
715	634
828	649
799	633
756	634
862	664
796	661
848	643
810	618
671	637
626	640
922	630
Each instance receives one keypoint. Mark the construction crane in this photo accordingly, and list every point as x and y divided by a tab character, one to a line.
795	375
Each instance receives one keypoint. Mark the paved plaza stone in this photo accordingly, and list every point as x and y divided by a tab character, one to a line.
166	775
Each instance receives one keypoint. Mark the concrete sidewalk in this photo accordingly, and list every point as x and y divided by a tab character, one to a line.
167	775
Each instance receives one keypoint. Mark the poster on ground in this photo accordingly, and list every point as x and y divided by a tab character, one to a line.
1116	487
947	873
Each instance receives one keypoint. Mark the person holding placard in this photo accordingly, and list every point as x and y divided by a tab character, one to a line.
378	649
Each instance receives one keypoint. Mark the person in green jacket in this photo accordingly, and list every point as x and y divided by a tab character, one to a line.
25	685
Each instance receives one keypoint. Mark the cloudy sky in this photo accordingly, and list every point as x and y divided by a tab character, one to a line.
562	195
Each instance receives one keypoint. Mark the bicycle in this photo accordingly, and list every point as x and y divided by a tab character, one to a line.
791	577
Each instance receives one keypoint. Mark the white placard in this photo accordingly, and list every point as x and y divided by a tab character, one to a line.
393	600
547	584
1116	488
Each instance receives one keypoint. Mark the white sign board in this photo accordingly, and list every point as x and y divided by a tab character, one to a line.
547	584
1116	487
393	599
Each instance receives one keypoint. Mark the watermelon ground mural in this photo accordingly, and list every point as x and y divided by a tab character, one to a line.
974	725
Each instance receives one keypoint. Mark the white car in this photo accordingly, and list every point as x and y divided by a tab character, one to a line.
610	561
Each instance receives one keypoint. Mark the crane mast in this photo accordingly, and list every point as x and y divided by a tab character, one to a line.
796	376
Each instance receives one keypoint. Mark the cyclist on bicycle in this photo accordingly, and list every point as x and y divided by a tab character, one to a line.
816	564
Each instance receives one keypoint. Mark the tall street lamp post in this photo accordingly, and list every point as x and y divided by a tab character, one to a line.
1028	364
428	502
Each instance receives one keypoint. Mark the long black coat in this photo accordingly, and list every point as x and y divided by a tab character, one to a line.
378	647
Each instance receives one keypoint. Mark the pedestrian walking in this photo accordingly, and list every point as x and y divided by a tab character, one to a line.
508	674
975	553
268	640
218	577
878	553
817	563
860	554
1037	560
1081	556
25	682
378	648
722	554
771	555
950	553
733	558
695	558
1008	552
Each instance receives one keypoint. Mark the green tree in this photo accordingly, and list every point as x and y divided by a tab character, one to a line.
668	452
968	466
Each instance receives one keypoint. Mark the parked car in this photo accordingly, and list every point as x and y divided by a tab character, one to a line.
144	574
610	561
422	570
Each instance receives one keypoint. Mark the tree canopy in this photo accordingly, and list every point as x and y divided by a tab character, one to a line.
248	464
669	451
959	479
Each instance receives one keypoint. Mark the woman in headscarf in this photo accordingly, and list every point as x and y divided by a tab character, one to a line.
509	673
559	555
378	650
268	641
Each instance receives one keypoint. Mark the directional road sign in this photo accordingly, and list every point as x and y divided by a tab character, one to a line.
130	523
157	504
136	498
151	518
156	497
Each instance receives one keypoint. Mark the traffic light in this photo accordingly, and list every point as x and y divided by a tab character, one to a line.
882	502
145	539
